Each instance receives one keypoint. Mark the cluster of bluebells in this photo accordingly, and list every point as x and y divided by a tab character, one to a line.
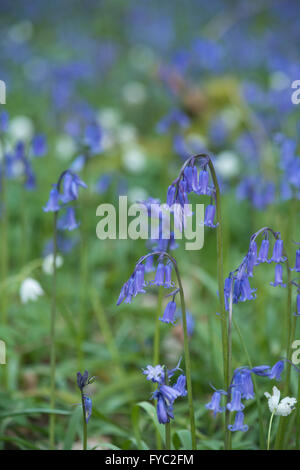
17	162
70	183
241	388
238	283
136	283
82	381
192	181
165	394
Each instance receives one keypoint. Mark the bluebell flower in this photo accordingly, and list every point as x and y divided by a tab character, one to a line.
155	374
53	202
149	264
169	313
160	274
190	323
68	220
168	274
245	290
278	277
277	256
133	286
203	182
78	164
30	180
210	211
227	289
88	407
189	178
263	252
165	394
251	258
180	385
82	380
243	382
297	263
171	195
71	183
39	145
238	423
297	314
262	371
277	369
214	404
236	403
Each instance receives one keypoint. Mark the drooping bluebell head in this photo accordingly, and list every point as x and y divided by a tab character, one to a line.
180	385
169	313
203	182
210	212
251	258
71	183
278	277
68	220
277	256
236	401
297	263
53	202
238	423
242	381
277	369
263	252
215	403
88	407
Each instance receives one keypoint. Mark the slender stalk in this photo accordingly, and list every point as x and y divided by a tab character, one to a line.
84	423
269	431
227	442
187	360
260	413
167	425
225	345
298	417
4	249
52	338
156	350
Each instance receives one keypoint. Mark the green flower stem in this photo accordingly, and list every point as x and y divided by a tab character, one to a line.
225	344
269	431
167	425
156	352
52	338
186	344
4	253
84	424
298	416
260	413
187	358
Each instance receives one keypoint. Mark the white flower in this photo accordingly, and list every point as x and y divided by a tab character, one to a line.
227	164
65	147
109	118
280	408
30	290
134	93
134	159
48	263
21	128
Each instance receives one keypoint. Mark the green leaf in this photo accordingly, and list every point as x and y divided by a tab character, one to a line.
73	427
151	412
185	439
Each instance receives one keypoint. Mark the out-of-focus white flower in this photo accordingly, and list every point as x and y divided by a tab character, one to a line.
280	408
20	32
232	117
134	159
47	265
137	194
109	118
134	93
30	290
126	134
21	128
65	147
142	58
227	164
279	81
